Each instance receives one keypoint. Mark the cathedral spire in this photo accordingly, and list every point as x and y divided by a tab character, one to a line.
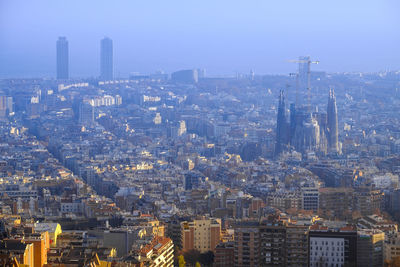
332	119
282	127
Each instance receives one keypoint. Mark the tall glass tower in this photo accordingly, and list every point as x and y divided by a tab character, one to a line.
62	58
106	59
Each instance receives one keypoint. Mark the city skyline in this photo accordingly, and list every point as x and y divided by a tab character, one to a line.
175	36
200	134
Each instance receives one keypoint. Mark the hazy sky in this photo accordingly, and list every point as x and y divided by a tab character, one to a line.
221	36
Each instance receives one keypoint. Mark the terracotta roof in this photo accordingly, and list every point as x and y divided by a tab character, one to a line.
157	245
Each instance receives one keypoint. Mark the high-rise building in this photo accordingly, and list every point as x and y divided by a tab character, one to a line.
370	246
106	59
10	104
224	254
310	198
41	245
393	203
247	244
3	106
297	245
6	102
203	235
62	58
368	201
337	202
273	244
332	123
392	247
333	246
270	243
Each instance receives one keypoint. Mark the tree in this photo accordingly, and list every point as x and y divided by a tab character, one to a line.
207	259
395	262
181	261
192	256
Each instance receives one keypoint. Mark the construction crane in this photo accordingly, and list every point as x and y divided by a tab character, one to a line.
308	62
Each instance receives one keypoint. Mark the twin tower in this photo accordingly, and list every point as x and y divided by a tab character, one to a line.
307	131
106	59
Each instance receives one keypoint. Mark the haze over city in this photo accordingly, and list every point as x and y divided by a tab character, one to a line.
199	133
223	37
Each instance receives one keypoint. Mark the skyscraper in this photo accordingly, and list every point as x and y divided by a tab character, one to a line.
106	59
333	246
332	123
62	58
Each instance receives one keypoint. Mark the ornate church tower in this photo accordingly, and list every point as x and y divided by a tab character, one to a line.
282	127
332	124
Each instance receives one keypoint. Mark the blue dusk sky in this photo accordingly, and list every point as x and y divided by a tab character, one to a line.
221	36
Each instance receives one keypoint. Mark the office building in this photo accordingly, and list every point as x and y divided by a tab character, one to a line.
62	59
310	198
332	246
106	59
